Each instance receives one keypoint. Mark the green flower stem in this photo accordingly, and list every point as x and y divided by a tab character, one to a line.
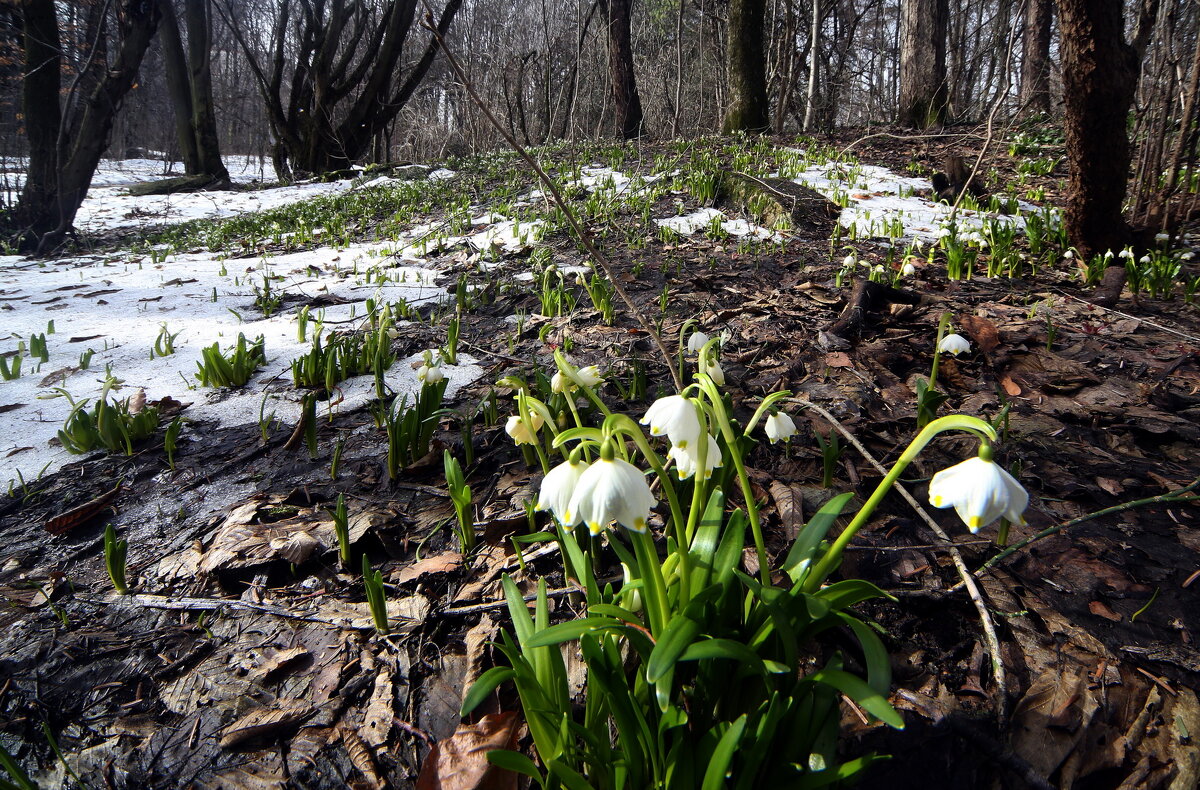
833	557
722	419
943	325
653	585
699	489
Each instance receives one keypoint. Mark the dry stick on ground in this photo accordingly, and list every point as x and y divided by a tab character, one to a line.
985	618
1178	495
581	233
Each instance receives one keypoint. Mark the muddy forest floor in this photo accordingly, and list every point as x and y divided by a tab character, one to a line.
246	657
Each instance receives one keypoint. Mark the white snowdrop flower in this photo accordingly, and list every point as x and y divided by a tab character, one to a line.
696	342
1126	253
1161	236
908	270
557	487
1144	259
674	417
633	601
560	383
716	373
520	431
430	374
611	490
1187	256
779	427
980	491
944	232
1108	253
687	462
954	344
1069	254
590	375
393	333
579	280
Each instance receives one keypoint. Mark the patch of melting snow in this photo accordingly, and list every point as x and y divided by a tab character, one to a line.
116	306
687	224
876	203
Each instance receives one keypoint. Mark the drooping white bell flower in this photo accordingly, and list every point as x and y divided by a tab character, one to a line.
687	462
557	487
716	373
696	342
675	417
430	374
560	383
610	490
590	375
522	432
954	344
779	427
980	491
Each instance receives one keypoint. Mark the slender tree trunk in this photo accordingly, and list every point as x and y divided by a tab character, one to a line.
204	119
923	91
37	211
749	110
178	89
626	100
1035	57
814	50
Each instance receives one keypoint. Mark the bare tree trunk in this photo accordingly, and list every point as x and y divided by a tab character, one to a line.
1100	71
626	100
923	91
748	110
178	89
61	165
1035	57
814	49
204	119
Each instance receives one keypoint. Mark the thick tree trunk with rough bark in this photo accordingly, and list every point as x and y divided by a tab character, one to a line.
924	94
748	110
62	162
1035	56
1099	76
626	100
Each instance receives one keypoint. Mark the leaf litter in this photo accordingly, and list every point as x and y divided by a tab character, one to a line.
247	656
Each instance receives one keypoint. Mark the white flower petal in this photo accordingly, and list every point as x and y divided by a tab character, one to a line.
687	463
779	427
980	491
954	344
610	491
675	417
557	487
696	342
520	431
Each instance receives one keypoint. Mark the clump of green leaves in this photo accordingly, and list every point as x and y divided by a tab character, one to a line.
114	426
373	581
234	368
460	495
115	552
341	356
410	428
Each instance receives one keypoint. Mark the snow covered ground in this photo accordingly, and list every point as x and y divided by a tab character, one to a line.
108	310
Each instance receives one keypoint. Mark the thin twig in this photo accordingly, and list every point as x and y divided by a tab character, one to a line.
585	238
985	617
1171	496
1167	329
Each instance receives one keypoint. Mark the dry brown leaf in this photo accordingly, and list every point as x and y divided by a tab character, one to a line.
361	757
789	502
442	563
278	661
1100	609
477	640
982	331
460	761
265	721
838	359
1011	388
296	548
377	719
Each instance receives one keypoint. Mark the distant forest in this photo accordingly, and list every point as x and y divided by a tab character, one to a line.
314	86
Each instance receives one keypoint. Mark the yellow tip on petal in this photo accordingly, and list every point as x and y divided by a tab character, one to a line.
974	522
937	501
639	525
594	527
